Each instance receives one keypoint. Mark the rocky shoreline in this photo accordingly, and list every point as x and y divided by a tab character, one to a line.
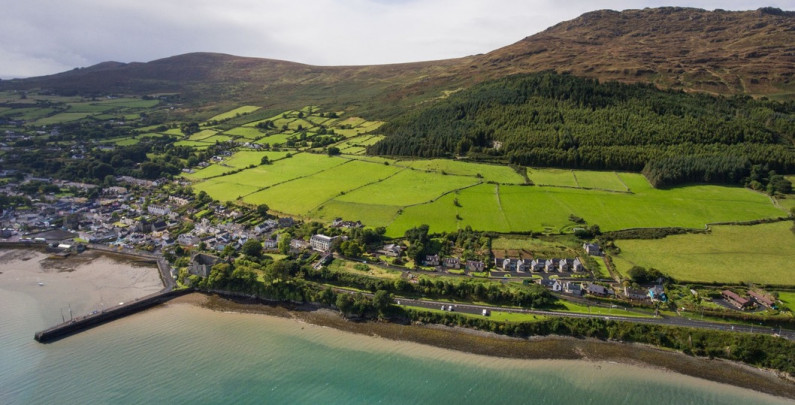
490	344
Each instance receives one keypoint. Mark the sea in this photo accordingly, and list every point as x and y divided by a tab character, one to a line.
180	353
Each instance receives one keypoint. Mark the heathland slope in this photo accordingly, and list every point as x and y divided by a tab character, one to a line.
724	52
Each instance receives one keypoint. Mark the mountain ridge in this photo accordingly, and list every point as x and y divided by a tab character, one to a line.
718	52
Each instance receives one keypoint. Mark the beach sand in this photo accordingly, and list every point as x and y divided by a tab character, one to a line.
81	283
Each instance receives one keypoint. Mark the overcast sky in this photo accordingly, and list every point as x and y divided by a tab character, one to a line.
41	37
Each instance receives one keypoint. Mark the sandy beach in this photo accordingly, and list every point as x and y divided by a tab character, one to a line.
81	283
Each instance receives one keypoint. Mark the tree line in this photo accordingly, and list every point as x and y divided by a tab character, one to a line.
555	120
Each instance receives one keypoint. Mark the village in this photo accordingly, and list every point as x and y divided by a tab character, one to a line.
165	218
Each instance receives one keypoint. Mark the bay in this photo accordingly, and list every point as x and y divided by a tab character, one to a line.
182	353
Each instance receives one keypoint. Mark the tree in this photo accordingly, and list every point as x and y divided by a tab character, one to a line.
333	151
265	160
344	303
190	128
252	248
262	210
284	244
382	300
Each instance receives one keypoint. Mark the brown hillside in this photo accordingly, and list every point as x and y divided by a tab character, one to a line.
749	52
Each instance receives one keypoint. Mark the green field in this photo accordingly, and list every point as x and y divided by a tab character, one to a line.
408	187
62	117
245	132
202	135
276	139
217	138
494	173
370	214
552	177
302	195
732	254
599	180
228	188
234	113
788	298
411	197
548	208
239	160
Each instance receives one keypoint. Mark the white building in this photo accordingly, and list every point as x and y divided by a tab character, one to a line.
322	242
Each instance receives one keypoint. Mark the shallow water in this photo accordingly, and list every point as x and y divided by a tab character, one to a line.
180	353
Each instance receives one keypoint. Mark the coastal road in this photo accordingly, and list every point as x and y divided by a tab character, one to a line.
659	320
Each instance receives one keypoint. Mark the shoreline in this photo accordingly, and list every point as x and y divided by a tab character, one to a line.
495	345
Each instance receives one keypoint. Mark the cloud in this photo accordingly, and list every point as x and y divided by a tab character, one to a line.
48	36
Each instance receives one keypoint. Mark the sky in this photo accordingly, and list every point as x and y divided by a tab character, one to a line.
40	37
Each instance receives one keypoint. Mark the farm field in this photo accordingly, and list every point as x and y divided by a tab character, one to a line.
239	160
445	194
234	113
61	117
228	188
408	187
552	177
301	195
599	180
245	132
370	214
548	208
730	254
201	135
495	173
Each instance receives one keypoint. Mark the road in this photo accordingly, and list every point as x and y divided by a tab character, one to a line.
659	320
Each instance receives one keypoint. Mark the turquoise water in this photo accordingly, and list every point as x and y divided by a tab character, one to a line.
180	353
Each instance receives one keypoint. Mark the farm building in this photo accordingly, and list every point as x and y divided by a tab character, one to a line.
763	299
736	300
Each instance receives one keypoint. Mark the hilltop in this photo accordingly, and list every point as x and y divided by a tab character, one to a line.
720	52
723	52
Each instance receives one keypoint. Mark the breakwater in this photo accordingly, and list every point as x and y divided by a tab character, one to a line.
97	318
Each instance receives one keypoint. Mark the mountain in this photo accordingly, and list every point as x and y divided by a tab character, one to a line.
724	52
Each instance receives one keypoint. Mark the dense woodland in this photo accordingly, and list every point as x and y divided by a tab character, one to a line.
547	119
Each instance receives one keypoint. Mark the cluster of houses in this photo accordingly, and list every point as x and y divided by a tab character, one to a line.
747	302
539	265
120	217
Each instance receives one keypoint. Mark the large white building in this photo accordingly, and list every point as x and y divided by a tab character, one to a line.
322	242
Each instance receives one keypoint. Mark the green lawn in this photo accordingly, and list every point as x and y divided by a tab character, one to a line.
732	254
